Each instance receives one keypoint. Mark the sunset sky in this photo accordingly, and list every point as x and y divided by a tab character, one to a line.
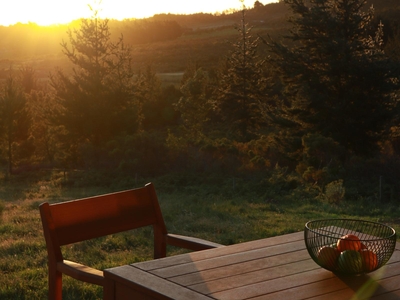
46	12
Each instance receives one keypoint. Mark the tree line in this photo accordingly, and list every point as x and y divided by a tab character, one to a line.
321	102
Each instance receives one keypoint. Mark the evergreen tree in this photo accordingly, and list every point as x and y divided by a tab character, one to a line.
148	91
241	87
98	99
14	120
339	82
29	80
196	105
46	134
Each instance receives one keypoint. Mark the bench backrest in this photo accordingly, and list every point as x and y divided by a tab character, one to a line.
84	219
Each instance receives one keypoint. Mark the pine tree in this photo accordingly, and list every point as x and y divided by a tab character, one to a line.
148	90
241	86
196	105
98	99
339	82
14	119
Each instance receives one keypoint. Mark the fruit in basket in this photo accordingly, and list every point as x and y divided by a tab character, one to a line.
351	237
350	261
327	257
349	242
369	259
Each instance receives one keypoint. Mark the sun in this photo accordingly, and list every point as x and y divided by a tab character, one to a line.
49	12
43	12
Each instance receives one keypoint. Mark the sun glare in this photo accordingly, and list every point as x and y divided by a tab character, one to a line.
43	12
48	12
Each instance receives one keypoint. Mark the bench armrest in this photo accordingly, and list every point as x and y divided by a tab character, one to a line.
81	272
190	243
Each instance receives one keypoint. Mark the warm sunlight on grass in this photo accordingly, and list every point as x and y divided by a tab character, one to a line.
208	208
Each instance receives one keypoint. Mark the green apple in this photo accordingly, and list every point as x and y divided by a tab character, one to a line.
327	257
350	261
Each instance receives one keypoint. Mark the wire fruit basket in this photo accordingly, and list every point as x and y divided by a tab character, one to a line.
348	246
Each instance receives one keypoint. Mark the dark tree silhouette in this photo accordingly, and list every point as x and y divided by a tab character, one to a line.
196	105
14	119
98	99
339	81
242	86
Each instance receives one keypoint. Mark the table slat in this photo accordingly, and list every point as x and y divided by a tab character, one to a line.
225	260
239	268
218	252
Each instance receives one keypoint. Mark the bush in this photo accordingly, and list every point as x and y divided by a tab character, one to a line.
335	191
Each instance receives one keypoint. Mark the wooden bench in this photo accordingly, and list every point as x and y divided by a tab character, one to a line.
84	219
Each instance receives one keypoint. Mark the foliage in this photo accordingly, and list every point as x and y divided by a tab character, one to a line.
322	159
14	122
158	100
160	113
375	179
336	74
196	106
143	153
222	112
335	192
241	87
98	102
105	116
47	137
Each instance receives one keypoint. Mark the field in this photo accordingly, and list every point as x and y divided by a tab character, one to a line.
220	209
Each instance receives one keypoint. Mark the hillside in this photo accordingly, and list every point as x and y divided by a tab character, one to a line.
204	38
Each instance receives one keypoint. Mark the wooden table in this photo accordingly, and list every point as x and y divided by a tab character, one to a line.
271	268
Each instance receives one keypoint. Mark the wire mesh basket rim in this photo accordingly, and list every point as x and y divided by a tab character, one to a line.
392	235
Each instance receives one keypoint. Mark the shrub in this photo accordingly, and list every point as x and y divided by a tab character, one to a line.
335	191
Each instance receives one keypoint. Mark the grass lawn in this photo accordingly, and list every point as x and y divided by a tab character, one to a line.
217	209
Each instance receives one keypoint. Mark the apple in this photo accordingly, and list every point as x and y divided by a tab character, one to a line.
327	257
369	259
349	242
350	261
